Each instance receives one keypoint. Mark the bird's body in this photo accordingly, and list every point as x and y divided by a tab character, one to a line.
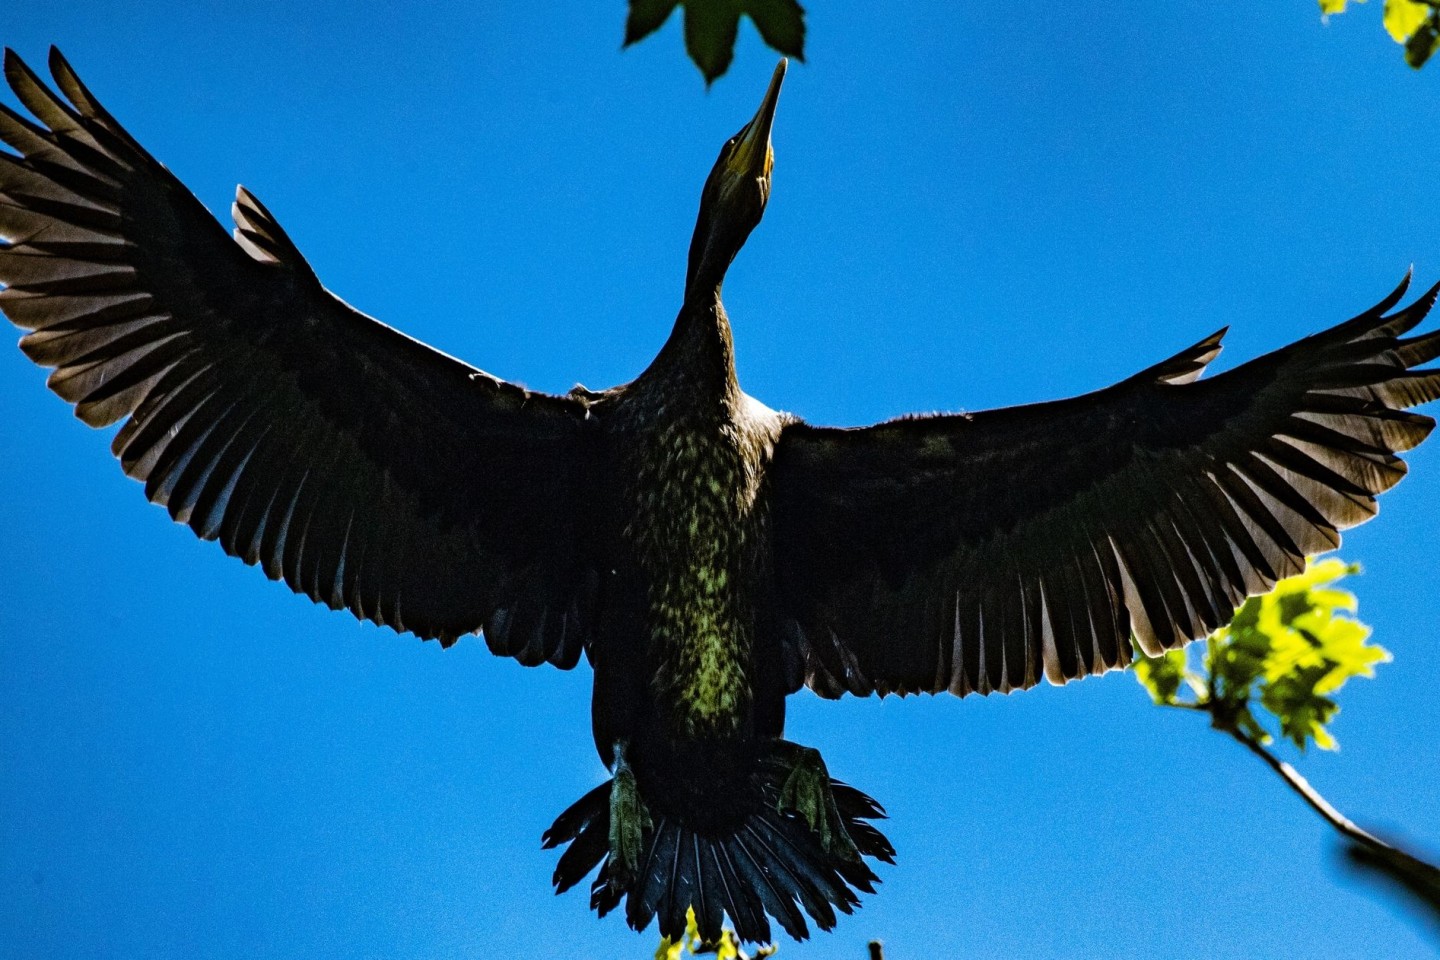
693	452
690	679
707	555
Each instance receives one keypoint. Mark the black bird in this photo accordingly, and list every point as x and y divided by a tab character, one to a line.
708	555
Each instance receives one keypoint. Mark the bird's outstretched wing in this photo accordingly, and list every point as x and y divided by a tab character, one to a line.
367	470
976	553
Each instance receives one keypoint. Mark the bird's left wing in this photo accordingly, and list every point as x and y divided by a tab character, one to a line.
367	470
978	553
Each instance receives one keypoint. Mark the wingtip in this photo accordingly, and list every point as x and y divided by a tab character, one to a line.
1189	364
1400	288
13	63
247	199
18	72
1429	296
59	66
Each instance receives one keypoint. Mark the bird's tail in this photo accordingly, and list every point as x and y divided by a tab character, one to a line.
763	861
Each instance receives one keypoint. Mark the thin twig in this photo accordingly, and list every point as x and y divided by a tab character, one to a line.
1421	877
1309	794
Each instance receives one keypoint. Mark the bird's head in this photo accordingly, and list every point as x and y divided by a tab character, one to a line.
735	194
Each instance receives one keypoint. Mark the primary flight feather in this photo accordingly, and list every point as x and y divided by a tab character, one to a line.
706	554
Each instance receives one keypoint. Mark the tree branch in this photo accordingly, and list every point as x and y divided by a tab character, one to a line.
1418	876
1308	793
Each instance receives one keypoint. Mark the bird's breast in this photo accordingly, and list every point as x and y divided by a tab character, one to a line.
696	528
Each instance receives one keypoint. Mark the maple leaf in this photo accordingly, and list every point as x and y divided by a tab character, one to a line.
712	25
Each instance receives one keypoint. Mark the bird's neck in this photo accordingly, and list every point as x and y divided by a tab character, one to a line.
710	256
700	350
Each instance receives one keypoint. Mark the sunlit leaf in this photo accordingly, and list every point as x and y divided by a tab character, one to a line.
693	945
1334	600
1413	23
1319	573
1302	714
1315	647
1162	676
1277	662
1404	17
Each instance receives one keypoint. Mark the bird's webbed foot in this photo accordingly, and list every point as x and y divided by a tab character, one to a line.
806	792
629	820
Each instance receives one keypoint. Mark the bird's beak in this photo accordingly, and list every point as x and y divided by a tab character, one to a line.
753	155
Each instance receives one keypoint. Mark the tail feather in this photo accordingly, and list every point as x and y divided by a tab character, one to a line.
655	875
580	858
748	911
805	880
681	890
577	817
712	894
771	864
773	901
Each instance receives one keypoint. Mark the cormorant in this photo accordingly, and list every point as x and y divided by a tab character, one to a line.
708	555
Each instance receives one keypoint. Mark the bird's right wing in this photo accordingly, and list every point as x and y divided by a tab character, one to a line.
367	470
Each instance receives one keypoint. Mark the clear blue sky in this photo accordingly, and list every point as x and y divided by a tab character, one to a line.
974	205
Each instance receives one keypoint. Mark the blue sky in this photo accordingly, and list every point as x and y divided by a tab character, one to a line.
974	205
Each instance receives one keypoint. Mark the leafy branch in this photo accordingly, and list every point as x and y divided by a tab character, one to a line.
1276	666
1415	24
693	945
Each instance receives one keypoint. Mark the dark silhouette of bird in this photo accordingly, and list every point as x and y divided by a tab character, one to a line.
707	555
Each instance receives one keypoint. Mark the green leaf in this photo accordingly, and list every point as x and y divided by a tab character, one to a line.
1404	17
1302	714
1317	574
1425	41
711	27
647	16
691	944
1284	654
668	950
1162	676
781	24
1237	654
